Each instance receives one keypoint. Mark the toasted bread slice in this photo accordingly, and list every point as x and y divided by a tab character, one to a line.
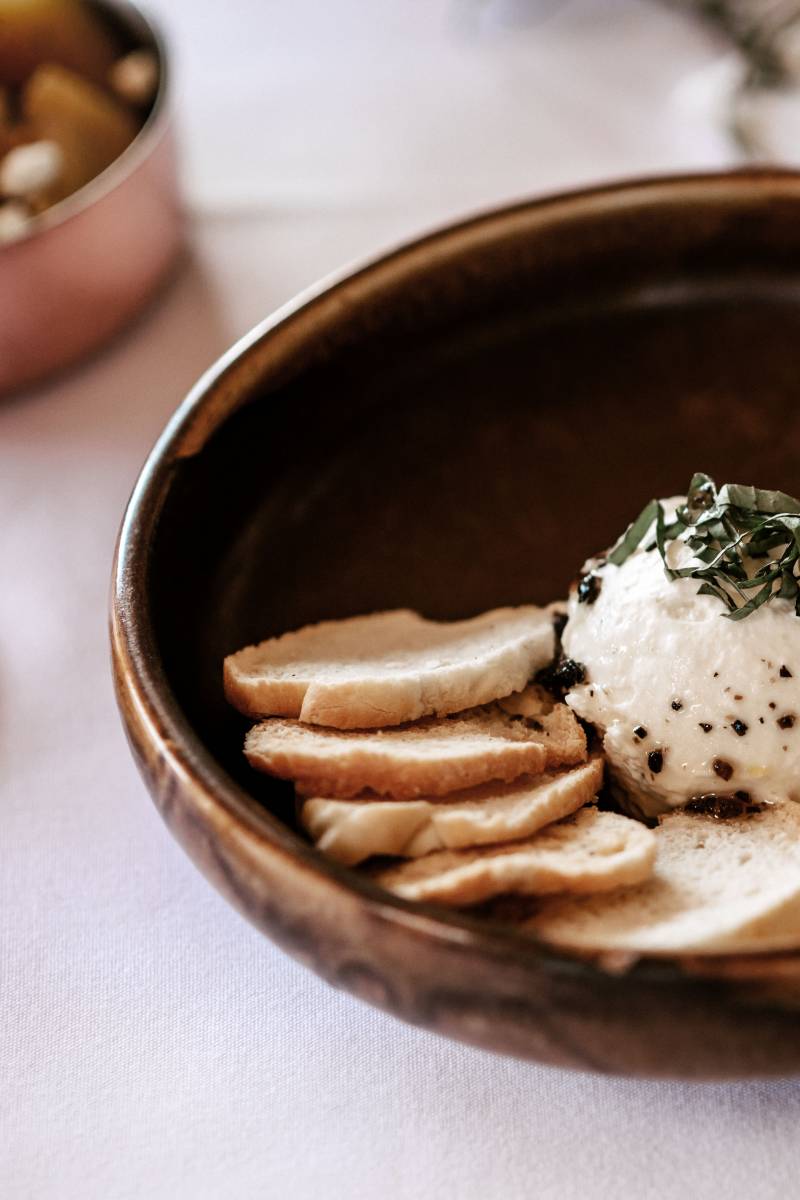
589	852
389	667
559	729
351	830
431	757
719	887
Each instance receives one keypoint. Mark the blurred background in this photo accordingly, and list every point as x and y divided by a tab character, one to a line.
314	132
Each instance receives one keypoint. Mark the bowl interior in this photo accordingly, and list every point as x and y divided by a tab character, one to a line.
456	468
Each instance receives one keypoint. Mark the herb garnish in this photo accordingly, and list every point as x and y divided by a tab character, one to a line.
725	529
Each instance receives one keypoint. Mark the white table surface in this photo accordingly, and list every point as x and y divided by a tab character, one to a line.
151	1043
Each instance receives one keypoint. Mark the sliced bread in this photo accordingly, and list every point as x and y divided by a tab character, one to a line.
351	830
431	757
589	852
719	887
389	667
560	731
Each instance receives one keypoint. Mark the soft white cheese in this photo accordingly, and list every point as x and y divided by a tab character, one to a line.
662	663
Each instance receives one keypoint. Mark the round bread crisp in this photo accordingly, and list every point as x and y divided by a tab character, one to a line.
589	852
431	757
719	887
391	667
561	733
351	830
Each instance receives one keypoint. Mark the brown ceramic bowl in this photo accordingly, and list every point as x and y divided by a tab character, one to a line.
455	427
90	262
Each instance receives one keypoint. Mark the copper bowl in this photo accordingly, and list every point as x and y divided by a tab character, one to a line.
455	427
90	262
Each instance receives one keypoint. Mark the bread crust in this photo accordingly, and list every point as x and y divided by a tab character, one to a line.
719	887
589	852
561	733
388	668
431	757
351	831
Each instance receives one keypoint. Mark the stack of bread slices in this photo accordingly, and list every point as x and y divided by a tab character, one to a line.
425	743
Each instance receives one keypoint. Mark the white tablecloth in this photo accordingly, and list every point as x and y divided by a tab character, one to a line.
152	1044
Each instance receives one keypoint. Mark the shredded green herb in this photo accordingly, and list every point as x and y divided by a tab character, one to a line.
729	530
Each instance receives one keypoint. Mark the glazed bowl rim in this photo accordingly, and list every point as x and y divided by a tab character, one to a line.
206	407
135	153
